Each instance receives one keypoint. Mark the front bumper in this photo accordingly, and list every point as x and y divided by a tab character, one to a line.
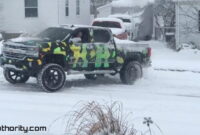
13	67
28	65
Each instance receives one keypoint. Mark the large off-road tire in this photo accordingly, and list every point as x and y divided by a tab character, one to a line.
91	76
131	72
14	77
51	78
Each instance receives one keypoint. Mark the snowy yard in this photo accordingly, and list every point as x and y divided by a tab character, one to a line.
171	98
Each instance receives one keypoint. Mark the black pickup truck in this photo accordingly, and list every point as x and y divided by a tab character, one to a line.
59	51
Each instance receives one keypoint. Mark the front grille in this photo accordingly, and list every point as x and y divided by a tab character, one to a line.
16	47
14	55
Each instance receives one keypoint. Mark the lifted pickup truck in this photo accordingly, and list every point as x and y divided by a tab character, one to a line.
60	51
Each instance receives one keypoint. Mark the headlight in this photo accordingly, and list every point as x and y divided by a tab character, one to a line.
33	51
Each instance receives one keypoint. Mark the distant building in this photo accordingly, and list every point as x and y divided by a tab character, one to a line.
32	15
104	11
142	16
128	7
95	4
120	7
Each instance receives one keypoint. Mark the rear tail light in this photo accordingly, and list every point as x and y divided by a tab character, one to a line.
122	36
149	52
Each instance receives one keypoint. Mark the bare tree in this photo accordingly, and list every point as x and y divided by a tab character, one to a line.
191	17
189	24
188	16
166	10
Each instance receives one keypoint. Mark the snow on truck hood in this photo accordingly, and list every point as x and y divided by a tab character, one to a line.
32	41
25	39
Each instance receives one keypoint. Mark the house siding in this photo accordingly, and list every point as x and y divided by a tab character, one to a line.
50	13
1	15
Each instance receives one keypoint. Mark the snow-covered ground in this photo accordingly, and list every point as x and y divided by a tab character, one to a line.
172	99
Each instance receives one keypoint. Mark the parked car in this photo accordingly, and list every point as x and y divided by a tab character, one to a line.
128	22
86	50
116	25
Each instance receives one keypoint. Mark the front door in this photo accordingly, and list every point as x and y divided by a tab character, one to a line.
80	47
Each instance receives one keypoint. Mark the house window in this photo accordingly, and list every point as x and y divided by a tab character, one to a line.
67	8
77	7
31	8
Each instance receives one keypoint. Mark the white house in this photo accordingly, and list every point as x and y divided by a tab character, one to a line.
32	15
187	22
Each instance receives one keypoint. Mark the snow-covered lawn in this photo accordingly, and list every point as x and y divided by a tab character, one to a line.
172	99
186	59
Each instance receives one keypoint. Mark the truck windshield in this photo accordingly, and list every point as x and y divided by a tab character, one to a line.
54	34
108	24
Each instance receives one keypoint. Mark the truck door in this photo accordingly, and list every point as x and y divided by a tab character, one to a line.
80	48
105	49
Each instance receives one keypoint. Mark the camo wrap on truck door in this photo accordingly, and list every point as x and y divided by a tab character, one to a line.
82	55
102	56
79	54
87	54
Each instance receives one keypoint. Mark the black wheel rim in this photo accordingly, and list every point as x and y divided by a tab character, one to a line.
131	73
53	78
16	76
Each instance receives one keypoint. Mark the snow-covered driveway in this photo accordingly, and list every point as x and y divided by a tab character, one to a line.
172	99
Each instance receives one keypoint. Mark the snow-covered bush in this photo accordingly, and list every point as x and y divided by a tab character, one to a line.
96	119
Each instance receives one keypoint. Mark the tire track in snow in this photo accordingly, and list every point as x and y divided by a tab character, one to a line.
176	70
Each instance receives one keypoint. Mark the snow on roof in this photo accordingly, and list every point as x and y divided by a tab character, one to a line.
138	14
125	16
130	3
109	19
186	0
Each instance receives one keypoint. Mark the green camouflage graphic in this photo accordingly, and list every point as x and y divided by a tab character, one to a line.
102	56
80	53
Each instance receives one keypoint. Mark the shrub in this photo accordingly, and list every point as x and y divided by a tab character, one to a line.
96	119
